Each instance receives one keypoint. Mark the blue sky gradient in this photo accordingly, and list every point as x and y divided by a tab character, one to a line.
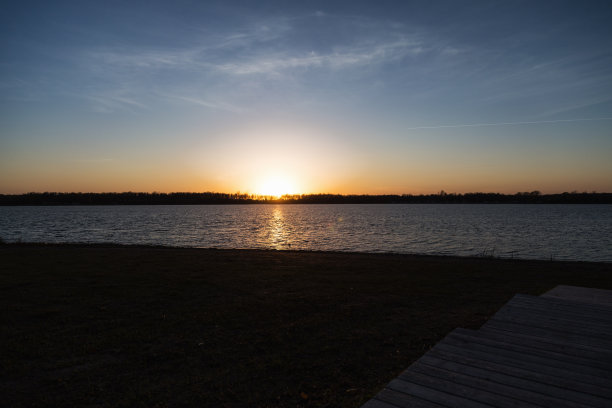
347	97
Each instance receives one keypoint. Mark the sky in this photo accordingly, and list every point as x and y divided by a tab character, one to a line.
349	97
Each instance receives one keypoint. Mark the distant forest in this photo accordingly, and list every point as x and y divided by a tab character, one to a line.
130	198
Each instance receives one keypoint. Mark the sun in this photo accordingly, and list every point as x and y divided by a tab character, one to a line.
276	186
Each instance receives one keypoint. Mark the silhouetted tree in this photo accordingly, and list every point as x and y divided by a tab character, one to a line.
155	198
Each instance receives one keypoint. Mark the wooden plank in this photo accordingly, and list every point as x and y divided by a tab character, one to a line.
588	315
535	357
514	360
518	380
426	394
544	307
528	358
476	338
575	325
486	384
400	399
563	304
374	403
526	373
437	396
598	355
546	321
566	307
598	320
559	341
581	294
547	333
467	391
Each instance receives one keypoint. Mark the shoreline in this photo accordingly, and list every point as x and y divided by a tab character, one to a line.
234	328
109	245
119	198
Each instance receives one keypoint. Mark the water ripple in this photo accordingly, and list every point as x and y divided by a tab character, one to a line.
567	232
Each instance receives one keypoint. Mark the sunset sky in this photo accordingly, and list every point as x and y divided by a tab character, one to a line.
306	97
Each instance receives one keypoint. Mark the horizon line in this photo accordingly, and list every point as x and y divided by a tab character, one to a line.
441	192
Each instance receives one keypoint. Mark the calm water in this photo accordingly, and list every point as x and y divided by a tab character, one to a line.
580	232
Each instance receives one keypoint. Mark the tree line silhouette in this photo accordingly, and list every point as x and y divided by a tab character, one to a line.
133	198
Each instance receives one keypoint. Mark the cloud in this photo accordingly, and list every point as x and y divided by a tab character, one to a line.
262	62
209	104
344	58
148	59
245	58
574	105
112	101
535	122
270	46
259	32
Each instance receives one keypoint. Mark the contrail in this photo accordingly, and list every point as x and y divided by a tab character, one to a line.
507	123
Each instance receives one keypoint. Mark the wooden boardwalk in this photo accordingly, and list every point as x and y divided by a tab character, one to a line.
553	350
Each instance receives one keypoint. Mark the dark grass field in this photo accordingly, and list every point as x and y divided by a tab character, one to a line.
104	326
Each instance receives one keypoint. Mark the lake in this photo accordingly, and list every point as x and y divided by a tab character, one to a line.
560	232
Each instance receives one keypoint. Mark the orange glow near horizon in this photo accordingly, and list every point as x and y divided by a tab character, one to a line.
276	186
300	158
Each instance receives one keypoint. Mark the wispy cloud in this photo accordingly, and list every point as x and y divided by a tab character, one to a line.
543	78
228	70
245	57
200	54
343	58
259	32
574	105
260	61
139	59
111	101
535	122
208	104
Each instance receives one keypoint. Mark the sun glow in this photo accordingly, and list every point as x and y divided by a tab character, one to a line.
276	186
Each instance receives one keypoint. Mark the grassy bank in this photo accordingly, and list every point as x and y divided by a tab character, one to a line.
136	326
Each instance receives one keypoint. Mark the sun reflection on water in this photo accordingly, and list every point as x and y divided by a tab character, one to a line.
564	232
278	233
